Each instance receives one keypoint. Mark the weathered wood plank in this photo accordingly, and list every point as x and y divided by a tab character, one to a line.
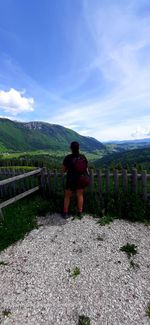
63	181
42	181
107	175
15	178
144	184
49	182
124	179
99	177
18	197
55	181
134	181
116	181
91	180
1	215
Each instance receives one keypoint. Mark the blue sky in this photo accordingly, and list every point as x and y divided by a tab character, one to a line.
83	64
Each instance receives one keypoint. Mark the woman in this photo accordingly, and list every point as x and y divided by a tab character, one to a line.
75	165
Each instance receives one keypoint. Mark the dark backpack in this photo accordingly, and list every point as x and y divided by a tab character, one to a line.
80	164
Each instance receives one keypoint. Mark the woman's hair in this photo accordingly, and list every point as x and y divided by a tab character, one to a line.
74	147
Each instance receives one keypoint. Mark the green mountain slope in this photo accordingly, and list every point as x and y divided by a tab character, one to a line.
129	157
18	136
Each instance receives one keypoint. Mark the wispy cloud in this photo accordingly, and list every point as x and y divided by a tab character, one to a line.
121	39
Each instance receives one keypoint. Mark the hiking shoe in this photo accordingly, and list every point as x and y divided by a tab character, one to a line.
65	215
79	215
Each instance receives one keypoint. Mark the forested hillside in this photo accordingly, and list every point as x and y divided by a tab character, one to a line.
17	136
129	158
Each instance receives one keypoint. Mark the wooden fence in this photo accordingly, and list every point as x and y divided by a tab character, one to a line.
121	180
7	189
54	181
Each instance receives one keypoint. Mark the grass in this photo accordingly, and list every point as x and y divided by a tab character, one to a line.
6	312
148	310
134	265
75	272
28	168
106	220
84	320
20	218
3	263
129	249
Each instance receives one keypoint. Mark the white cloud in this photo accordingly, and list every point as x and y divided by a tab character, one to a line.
14	102
141	132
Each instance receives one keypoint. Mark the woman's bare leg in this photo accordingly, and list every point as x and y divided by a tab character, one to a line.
67	198
79	194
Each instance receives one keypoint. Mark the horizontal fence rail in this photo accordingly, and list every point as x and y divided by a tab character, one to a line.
53	181
18	197
15	178
102	181
10	186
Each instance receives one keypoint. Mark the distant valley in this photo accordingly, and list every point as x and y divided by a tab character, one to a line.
129	153
49	142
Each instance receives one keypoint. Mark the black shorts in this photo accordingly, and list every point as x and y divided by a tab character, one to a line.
72	184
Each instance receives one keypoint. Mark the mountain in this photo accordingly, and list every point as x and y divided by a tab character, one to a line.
29	136
126	158
118	146
129	141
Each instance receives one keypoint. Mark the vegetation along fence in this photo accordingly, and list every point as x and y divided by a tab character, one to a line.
16	184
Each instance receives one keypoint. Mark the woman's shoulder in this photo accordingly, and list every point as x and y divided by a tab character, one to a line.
68	158
83	156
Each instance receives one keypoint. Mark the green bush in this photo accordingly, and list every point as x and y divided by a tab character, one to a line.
126	206
133	207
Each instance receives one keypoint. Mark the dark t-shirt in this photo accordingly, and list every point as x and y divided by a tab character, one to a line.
72	175
68	161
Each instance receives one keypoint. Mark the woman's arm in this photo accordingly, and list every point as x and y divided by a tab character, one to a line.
63	168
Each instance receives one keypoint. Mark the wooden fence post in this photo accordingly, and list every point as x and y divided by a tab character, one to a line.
92	179
49	181
14	184
144	184
99	176
42	183
55	181
63	181
134	181
107	180
1	192
1	215
124	180
116	180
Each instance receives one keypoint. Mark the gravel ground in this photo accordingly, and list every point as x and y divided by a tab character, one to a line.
37	286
